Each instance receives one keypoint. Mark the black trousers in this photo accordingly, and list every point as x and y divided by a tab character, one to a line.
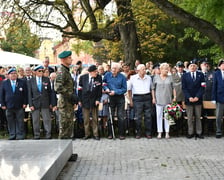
117	105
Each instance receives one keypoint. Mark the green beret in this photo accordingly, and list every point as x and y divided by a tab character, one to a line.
65	54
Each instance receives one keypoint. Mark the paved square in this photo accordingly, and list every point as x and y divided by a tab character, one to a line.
176	158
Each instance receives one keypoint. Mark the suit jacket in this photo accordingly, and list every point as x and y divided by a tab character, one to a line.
39	99
193	88
87	97
13	100
218	87
54	98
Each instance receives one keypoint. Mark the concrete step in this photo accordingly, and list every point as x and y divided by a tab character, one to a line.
33	159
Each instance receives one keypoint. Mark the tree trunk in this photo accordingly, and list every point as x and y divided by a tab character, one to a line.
128	34
130	43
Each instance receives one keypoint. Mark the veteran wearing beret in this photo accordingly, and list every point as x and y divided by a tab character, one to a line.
90	92
64	86
13	98
40	101
193	89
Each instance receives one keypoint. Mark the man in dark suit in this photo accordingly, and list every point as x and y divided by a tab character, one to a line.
218	96
193	87
13	98
39	98
90	92
46	65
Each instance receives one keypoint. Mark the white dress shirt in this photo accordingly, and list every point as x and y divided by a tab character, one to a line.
140	85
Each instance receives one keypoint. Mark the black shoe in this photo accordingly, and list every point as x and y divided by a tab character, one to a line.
122	138
218	136
200	136
12	138
36	138
86	137
96	138
189	136
110	137
73	157
19	138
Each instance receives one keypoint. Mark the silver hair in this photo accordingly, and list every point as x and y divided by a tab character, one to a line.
115	65
140	66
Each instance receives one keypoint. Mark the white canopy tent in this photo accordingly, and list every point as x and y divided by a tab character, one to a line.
15	59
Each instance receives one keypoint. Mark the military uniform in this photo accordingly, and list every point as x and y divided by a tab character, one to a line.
64	86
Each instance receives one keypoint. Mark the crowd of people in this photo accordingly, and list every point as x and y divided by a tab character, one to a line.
112	100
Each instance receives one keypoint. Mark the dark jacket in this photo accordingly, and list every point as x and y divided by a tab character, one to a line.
36	98
13	100
193	88
86	96
218	87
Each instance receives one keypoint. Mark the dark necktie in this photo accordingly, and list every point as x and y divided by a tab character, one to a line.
193	76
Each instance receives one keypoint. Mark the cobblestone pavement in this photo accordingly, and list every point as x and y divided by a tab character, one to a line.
173	159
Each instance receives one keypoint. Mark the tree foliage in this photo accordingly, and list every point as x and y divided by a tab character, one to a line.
196	14
78	19
151	38
19	39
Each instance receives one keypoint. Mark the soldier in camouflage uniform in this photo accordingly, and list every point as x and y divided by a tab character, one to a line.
64	86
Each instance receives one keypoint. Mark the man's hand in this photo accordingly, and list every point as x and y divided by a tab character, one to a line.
196	99
191	99
32	108
112	93
97	103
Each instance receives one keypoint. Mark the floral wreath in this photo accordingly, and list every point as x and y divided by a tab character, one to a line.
173	112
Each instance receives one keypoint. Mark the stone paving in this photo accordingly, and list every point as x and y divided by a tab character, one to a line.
173	159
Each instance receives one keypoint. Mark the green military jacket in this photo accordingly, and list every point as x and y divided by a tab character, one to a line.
64	86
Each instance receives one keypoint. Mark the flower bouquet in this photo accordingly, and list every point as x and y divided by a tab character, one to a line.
172	112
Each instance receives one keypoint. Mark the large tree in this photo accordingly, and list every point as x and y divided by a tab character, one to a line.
19	39
205	27
79	19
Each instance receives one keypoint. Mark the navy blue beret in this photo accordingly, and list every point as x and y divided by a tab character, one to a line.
11	70
65	54
92	68
38	67
194	61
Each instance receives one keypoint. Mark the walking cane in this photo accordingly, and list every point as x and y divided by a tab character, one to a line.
111	119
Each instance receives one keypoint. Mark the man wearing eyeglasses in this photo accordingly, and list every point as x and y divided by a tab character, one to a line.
13	99
39	98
